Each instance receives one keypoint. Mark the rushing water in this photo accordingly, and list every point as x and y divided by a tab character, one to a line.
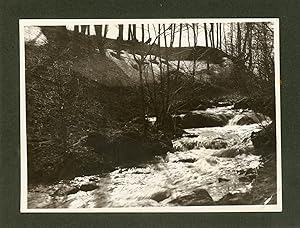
199	162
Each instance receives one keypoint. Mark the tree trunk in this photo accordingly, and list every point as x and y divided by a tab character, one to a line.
129	32
143	33
220	34
142	97
206	43
121	30
217	24
98	30
239	39
134	32
212	34
83	28
167	94
88	30
188	34
231	39
179	57
120	40
173	27
105	30
250	51
195	33
225	40
76	28
265	51
148	28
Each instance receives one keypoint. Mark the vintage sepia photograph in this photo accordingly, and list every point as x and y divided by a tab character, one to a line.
150	115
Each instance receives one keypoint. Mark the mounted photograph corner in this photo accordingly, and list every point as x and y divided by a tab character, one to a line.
150	115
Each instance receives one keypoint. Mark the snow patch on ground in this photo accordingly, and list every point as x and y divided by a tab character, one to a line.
34	34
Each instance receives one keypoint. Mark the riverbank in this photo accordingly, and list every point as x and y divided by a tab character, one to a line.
83	119
208	166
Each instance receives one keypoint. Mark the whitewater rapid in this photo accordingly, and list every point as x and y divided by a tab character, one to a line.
197	163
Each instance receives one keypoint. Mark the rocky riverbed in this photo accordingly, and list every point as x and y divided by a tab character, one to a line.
215	165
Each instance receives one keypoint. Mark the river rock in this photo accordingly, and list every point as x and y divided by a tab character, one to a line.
221	179
202	119
234	151
235	199
72	190
224	103
248	178
262	104
250	118
264	141
211	161
199	197
128	146
215	144
161	195
88	187
65	190
188	160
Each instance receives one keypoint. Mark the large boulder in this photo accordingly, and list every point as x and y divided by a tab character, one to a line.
251	118
262	104
233	151
123	148
264	141
161	195
199	197
235	199
217	143
202	119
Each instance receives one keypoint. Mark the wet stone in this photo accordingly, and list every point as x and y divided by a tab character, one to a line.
140	172
88	187
160	196
245	179
215	144
221	179
93	179
211	161
235	199
188	160
199	197
72	190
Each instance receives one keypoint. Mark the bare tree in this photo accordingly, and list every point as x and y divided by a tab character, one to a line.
225	39
129	32
143	33
121	31
98	30
231	39
179	57
217	26
84	28
212	37
206	42
195	33
105	30
239	39
134	32
188	34
100	35
220	35
76	28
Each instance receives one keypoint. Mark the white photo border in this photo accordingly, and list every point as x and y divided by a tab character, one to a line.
181	209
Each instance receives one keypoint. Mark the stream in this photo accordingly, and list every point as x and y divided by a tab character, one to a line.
212	158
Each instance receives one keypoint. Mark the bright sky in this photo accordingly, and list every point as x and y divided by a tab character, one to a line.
113	33
33	31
